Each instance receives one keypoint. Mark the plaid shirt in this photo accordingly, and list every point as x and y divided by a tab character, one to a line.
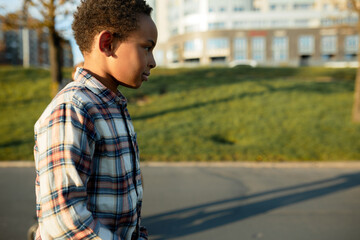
88	182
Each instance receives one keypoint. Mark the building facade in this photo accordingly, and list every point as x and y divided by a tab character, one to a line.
29	47
271	32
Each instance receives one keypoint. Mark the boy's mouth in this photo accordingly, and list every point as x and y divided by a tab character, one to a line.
145	76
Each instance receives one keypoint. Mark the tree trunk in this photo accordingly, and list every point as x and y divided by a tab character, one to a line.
55	61
356	106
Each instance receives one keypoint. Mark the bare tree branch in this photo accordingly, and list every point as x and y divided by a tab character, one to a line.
50	10
44	4
355	6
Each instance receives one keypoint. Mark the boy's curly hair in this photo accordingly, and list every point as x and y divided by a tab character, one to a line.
117	16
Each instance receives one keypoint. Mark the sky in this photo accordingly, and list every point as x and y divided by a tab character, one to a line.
13	5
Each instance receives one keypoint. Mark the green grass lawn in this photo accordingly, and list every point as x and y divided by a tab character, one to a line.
211	114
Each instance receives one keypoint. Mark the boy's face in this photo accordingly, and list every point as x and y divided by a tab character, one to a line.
133	58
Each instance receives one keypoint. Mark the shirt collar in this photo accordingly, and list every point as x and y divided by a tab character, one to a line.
94	85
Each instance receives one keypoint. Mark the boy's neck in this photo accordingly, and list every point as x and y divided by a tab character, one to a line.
102	77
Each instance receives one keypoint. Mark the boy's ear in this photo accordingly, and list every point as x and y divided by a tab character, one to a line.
106	43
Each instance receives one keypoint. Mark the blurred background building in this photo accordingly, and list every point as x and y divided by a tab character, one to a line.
270	32
29	47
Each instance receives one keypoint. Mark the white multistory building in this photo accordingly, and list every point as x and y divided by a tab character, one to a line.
271	32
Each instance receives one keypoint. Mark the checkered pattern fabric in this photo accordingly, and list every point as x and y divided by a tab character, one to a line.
88	180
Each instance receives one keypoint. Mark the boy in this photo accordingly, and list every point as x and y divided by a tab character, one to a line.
88	183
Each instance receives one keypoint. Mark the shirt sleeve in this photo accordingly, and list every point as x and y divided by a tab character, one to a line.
64	148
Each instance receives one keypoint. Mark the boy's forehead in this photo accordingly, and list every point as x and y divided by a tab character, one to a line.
145	21
146	28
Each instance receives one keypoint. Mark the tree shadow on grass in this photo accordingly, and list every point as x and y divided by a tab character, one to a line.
182	80
319	87
200	218
196	105
312	87
190	79
16	143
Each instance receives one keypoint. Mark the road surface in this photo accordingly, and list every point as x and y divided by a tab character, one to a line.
222	202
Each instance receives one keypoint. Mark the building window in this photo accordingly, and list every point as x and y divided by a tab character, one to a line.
192	60
258	24
174	31
306	45
191	7
240	24
351	20
351	44
329	44
326	22
194	45
239	5
239	9
216	25
173	54
278	7
280	48
301	22
326	6
191	28
218	59
212	5
279	23
302	6
216	5
258	48
327	57
159	57
217	43
351	57
222	9
173	14
240	48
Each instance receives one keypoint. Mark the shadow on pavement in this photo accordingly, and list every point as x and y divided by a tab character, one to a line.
199	218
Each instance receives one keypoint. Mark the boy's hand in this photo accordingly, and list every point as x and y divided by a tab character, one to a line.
143	235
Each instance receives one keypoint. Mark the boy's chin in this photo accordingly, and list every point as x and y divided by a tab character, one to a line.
135	86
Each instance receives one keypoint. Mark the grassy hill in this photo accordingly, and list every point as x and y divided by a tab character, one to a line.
210	114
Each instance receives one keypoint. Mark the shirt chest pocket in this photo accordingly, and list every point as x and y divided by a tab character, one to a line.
117	145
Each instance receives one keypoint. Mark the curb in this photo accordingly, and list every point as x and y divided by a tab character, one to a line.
15	164
352	164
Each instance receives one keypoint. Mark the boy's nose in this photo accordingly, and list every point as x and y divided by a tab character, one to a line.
152	62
